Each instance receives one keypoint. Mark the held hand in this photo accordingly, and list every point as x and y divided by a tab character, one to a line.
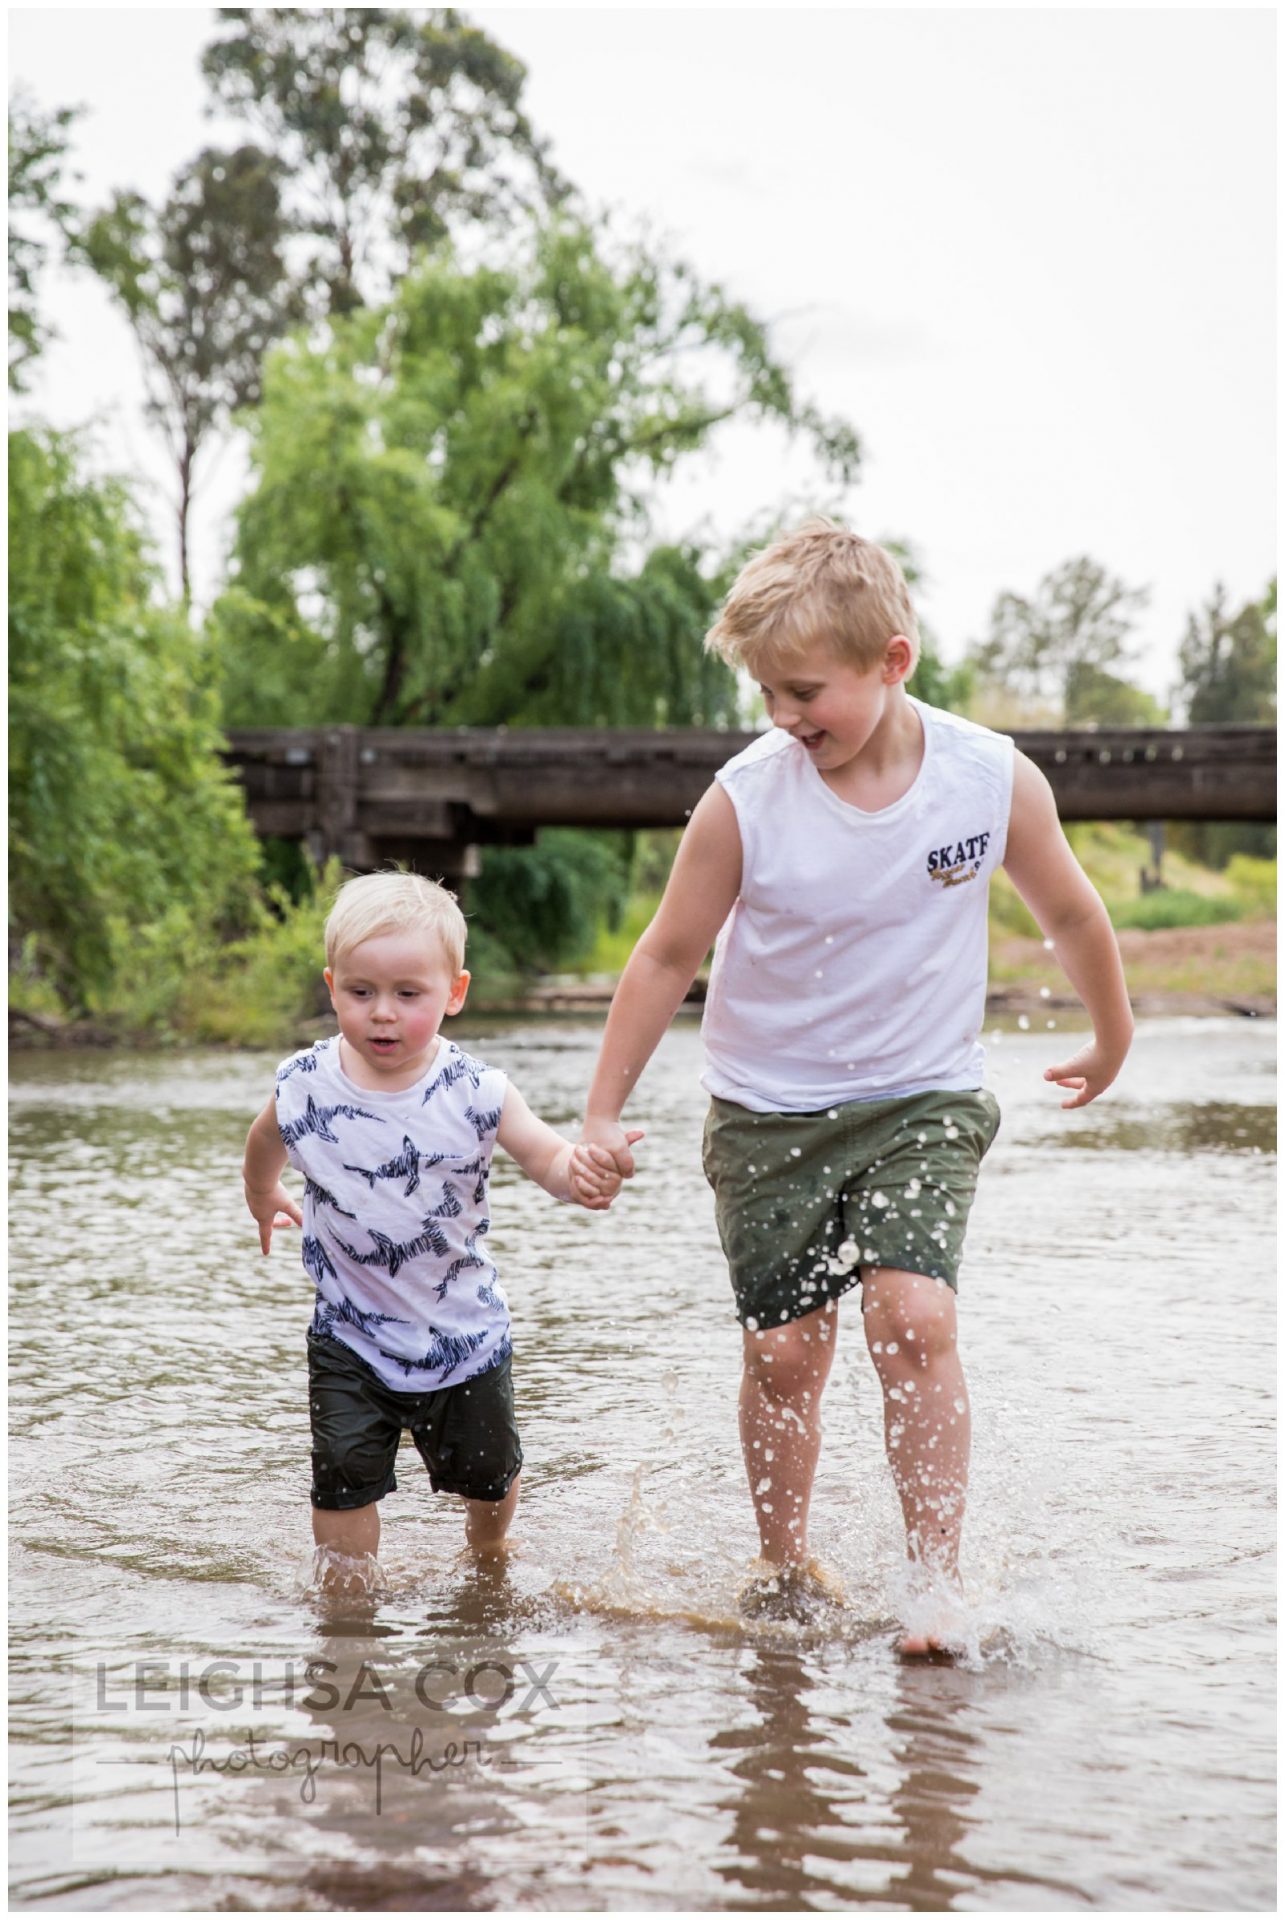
609	1134
593	1177
272	1207
1089	1073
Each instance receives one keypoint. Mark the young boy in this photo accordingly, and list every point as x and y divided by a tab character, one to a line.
842	861
393	1128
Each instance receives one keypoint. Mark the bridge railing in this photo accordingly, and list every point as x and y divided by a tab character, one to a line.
368	794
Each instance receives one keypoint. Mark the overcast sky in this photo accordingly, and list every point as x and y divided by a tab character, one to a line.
1028	253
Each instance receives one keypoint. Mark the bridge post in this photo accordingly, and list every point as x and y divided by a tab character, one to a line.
336	834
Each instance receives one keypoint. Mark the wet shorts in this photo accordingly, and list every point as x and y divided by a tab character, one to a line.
806	1201
466	1435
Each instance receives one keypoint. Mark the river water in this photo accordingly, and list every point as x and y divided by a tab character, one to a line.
195	1727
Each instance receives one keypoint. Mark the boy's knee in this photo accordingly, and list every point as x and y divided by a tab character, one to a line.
911	1325
790	1363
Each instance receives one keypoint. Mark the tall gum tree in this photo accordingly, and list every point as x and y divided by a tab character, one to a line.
395	128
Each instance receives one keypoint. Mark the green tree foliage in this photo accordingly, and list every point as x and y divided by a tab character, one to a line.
39	219
1227	663
1063	649
395	127
129	845
202	281
544	904
446	489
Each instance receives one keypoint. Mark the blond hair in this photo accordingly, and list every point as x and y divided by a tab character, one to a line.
817	584
396	902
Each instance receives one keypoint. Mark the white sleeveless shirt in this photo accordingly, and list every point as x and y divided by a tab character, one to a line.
853	965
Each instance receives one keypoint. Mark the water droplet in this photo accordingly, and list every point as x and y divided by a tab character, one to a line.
878	1199
892	1347
1023	1023
1045	994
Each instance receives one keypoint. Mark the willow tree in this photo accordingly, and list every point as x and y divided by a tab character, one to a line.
448	524
128	843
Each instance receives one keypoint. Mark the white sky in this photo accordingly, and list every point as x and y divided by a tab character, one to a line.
1029	253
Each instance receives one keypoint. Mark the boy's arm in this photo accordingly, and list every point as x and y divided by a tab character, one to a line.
583	1174
702	890
1066	906
265	1157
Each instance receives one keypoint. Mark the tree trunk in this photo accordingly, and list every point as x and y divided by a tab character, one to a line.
184	508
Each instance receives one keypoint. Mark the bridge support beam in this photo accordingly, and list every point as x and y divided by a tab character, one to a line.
368	795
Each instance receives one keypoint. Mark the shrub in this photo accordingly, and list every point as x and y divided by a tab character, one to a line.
1174	907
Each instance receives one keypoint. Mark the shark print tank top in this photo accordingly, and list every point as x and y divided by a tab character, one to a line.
395	1213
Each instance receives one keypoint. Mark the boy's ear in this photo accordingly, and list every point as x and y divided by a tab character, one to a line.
898	660
329	979
459	992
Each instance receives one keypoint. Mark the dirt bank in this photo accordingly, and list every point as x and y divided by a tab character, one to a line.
1224	969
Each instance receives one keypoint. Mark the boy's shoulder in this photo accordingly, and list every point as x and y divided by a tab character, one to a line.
307	1062
774	751
454	1066
760	755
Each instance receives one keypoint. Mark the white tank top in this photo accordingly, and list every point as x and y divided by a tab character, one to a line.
853	965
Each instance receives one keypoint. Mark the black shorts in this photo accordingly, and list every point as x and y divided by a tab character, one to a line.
466	1435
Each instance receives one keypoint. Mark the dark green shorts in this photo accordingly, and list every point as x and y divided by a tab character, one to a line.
807	1202
466	1435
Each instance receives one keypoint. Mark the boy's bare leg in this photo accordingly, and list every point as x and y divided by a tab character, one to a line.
352	1532
913	1338
486	1522
786	1369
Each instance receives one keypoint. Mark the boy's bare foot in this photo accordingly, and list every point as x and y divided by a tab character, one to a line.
345	1575
795	1593
936	1620
919	1646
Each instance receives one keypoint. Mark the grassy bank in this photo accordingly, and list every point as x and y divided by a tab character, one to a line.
1206	939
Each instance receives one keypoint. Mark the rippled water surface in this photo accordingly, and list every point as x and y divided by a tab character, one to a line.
195	1728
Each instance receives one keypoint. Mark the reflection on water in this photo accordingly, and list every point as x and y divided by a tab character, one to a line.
1218	1126
592	1726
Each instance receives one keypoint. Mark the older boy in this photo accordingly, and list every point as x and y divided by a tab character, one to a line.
393	1128
842	861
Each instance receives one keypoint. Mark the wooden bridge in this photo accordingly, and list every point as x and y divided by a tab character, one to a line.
433	798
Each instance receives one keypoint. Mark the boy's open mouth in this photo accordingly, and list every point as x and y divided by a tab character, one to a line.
383	1044
812	740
